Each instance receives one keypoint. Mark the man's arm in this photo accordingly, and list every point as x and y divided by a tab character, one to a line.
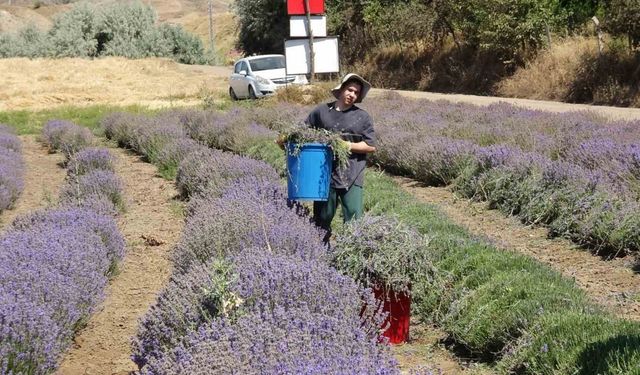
361	147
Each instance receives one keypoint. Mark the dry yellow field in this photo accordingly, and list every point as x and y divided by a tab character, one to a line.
46	83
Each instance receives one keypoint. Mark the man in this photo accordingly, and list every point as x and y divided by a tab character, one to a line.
344	117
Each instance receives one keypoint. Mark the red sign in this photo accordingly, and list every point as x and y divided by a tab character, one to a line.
296	7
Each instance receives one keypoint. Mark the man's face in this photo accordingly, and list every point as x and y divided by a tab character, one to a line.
350	93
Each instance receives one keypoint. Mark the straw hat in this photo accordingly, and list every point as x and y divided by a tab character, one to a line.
352	77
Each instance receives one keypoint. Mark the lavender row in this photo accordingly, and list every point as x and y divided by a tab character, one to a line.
55	264
252	290
11	168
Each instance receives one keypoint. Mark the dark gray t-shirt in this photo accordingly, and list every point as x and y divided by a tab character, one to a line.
355	125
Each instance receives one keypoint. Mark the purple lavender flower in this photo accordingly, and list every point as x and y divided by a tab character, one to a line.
98	183
90	159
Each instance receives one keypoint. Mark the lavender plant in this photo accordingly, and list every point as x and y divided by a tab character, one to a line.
206	172
246	215
11	170
278	342
90	159
98	183
50	279
64	136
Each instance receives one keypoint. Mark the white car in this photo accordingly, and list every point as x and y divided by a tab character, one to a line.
257	76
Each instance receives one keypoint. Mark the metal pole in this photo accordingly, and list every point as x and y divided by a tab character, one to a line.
211	43
599	33
312	54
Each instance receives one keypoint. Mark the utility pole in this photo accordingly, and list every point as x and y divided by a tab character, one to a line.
599	33
211	43
312	54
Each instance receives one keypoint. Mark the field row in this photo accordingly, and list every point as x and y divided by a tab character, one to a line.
11	168
55	263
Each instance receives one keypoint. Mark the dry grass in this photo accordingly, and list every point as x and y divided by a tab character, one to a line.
574	71
45	83
307	94
552	74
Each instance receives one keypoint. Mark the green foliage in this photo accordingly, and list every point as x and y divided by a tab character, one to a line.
264	25
29	42
184	46
268	151
623	18
73	33
31	122
128	30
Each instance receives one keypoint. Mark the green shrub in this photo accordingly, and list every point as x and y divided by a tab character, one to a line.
30	42
73	33
576	343
128	30
185	47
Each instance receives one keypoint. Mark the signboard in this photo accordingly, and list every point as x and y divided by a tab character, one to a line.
296	7
298	26
326	59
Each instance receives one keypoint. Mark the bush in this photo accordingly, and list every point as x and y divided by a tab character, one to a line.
73	33
127	30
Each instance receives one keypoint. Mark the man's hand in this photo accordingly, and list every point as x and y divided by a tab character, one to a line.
360	147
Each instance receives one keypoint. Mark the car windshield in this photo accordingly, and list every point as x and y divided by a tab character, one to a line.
267	63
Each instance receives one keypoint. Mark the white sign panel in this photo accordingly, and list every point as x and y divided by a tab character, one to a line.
326	59
298	26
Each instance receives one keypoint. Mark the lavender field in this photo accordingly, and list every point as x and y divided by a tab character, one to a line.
238	219
55	262
252	290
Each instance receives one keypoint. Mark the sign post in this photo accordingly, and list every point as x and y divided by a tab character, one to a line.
310	50
312	55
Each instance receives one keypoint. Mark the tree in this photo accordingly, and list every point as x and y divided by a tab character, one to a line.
264	25
623	18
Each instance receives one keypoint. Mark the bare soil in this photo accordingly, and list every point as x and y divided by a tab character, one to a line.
42	180
151	225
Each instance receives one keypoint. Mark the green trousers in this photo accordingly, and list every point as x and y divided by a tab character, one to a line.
351	201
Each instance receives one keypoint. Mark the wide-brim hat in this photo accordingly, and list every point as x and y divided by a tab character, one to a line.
352	77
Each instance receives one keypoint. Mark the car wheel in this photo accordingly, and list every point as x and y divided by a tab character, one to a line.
232	94
252	93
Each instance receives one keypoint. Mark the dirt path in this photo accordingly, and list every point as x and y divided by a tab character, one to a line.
426	350
42	180
610	283
152	218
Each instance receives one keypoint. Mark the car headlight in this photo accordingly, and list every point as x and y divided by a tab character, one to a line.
262	80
